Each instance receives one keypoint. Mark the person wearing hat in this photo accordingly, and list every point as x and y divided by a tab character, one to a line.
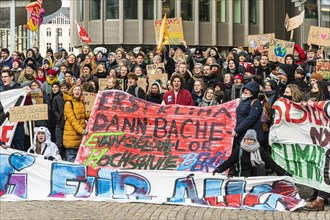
155	94
28	74
42	144
86	73
16	68
249	73
299	79
133	88
6	59
282	83
250	159
112	61
213	52
315	77
198	56
50	80
216	69
265	49
242	55
237	88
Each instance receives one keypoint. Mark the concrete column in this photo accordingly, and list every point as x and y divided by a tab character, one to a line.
230	22
214	21
121	22
196	22
140	19
12	26
246	21
260	12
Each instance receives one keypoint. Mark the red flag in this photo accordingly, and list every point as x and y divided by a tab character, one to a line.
83	34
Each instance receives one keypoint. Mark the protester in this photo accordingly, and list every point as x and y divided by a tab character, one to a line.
155	93
43	145
250	158
133	88
178	95
113	83
198	92
208	99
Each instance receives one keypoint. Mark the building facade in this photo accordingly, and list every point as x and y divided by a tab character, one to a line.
55	32
223	23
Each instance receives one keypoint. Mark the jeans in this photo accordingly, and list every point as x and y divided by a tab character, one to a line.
18	140
71	154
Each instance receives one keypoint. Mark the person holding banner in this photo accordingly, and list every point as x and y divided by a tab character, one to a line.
43	145
75	122
250	158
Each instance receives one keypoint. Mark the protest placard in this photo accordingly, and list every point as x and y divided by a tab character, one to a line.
71	181
103	82
28	113
304	151
278	49
323	67
294	22
151	69
256	42
143	84
37	97
175	30
158	137
160	78
89	99
319	36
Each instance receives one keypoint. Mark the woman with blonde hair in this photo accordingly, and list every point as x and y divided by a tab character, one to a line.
89	59
292	92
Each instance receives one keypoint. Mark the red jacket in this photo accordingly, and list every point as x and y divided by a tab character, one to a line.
182	98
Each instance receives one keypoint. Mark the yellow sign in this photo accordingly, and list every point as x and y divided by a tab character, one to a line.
28	113
175	30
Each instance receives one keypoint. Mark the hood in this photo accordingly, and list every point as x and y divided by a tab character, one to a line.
253	87
158	85
42	129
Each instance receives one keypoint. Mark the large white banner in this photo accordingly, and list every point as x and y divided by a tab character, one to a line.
10	98
300	139
28	177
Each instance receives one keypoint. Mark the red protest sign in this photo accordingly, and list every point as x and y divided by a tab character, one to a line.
130	133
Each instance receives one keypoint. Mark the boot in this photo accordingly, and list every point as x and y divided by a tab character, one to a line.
316	205
312	197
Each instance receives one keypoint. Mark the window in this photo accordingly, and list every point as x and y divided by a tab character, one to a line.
60	45
112	9
204	10
49	45
311	8
59	32
237	6
148	9
221	11
70	49
187	10
253	11
81	10
48	32
130	9
168	7
95	10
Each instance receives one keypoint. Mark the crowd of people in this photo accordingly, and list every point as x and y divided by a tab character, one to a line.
200	77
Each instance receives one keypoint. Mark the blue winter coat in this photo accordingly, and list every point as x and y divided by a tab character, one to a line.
248	116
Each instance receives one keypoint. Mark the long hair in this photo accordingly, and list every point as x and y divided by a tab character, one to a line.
297	95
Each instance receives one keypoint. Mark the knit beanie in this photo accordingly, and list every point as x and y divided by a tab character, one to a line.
317	76
251	134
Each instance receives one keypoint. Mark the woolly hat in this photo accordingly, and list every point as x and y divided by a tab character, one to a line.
238	76
199	64
242	53
18	61
282	72
88	66
301	71
250	69
317	76
52	72
198	51
216	64
251	134
31	65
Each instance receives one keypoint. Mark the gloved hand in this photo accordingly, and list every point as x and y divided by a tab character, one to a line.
51	158
215	171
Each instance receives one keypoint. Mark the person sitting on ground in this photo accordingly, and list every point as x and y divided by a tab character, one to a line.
43	145
250	158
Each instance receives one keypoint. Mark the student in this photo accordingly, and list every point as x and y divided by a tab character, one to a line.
250	158
43	145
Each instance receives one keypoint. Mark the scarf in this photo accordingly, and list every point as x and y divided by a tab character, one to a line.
51	82
42	80
233	91
253	149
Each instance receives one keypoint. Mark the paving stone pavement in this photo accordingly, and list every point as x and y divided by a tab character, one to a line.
111	210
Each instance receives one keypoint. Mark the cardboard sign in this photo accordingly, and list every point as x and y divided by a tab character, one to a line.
319	36
131	133
89	99
175	30
28	113
278	49
37	97
142	82
294	22
163	78
151	69
103	82
256	42
323	67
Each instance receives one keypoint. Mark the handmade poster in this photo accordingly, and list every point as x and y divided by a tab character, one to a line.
304	151
59	180
323	67
256	42
294	22
278	49
319	36
8	99
37	97
142	82
125	132
160	78
151	69
103	82
89	99
175	30
28	113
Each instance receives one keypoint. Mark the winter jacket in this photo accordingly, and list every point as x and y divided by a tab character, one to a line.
183	97
58	110
48	148
136	91
196	98
188	82
75	123
248	116
155	98
206	103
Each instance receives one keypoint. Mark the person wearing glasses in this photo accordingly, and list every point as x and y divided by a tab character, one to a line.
250	159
